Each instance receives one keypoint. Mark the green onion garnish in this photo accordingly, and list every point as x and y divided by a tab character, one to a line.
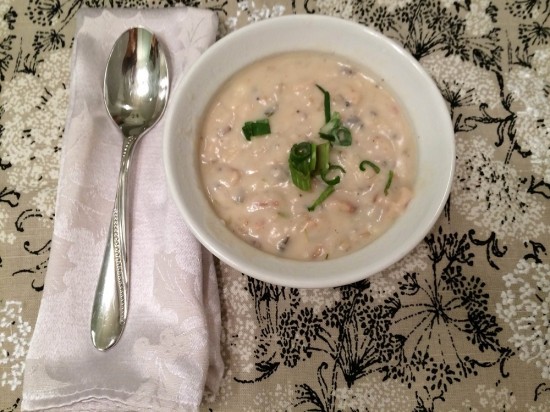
330	126
388	182
334	181
302	161
307	159
343	136
326	103
323	153
335	132
322	197
256	128
363	166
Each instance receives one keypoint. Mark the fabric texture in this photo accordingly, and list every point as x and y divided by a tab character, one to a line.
170	349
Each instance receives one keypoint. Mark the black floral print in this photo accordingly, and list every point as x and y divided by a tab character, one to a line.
403	338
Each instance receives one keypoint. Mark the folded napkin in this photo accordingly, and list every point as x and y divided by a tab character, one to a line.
170	349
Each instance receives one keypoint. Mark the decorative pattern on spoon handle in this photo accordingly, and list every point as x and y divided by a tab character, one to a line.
119	231
119	268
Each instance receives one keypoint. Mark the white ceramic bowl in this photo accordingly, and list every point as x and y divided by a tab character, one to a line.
410	84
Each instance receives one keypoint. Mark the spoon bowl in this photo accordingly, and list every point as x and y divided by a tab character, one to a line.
136	88
136	82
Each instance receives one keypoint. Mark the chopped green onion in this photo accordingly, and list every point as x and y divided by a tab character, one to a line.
301	151
330	126
256	128
323	153
307	159
366	163
326	103
300	180
335	132
343	136
302	160
334	181
388	182
322	197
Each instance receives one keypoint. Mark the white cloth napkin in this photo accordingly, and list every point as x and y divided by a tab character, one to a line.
170	349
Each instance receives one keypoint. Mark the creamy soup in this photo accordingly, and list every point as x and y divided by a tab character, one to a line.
249	181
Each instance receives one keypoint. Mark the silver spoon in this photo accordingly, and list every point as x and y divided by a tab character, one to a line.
135	90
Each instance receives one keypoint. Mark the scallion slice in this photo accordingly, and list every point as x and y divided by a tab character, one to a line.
307	159
326	103
335	132
330	126
255	128
334	181
363	166
388	182
302	161
323	153
322	197
343	136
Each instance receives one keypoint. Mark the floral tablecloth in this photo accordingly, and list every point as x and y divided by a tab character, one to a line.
461	323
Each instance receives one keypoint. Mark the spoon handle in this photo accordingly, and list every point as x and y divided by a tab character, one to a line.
110	308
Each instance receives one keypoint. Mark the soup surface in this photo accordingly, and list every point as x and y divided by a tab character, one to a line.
249	181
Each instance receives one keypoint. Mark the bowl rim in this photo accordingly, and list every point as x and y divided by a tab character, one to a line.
284	271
